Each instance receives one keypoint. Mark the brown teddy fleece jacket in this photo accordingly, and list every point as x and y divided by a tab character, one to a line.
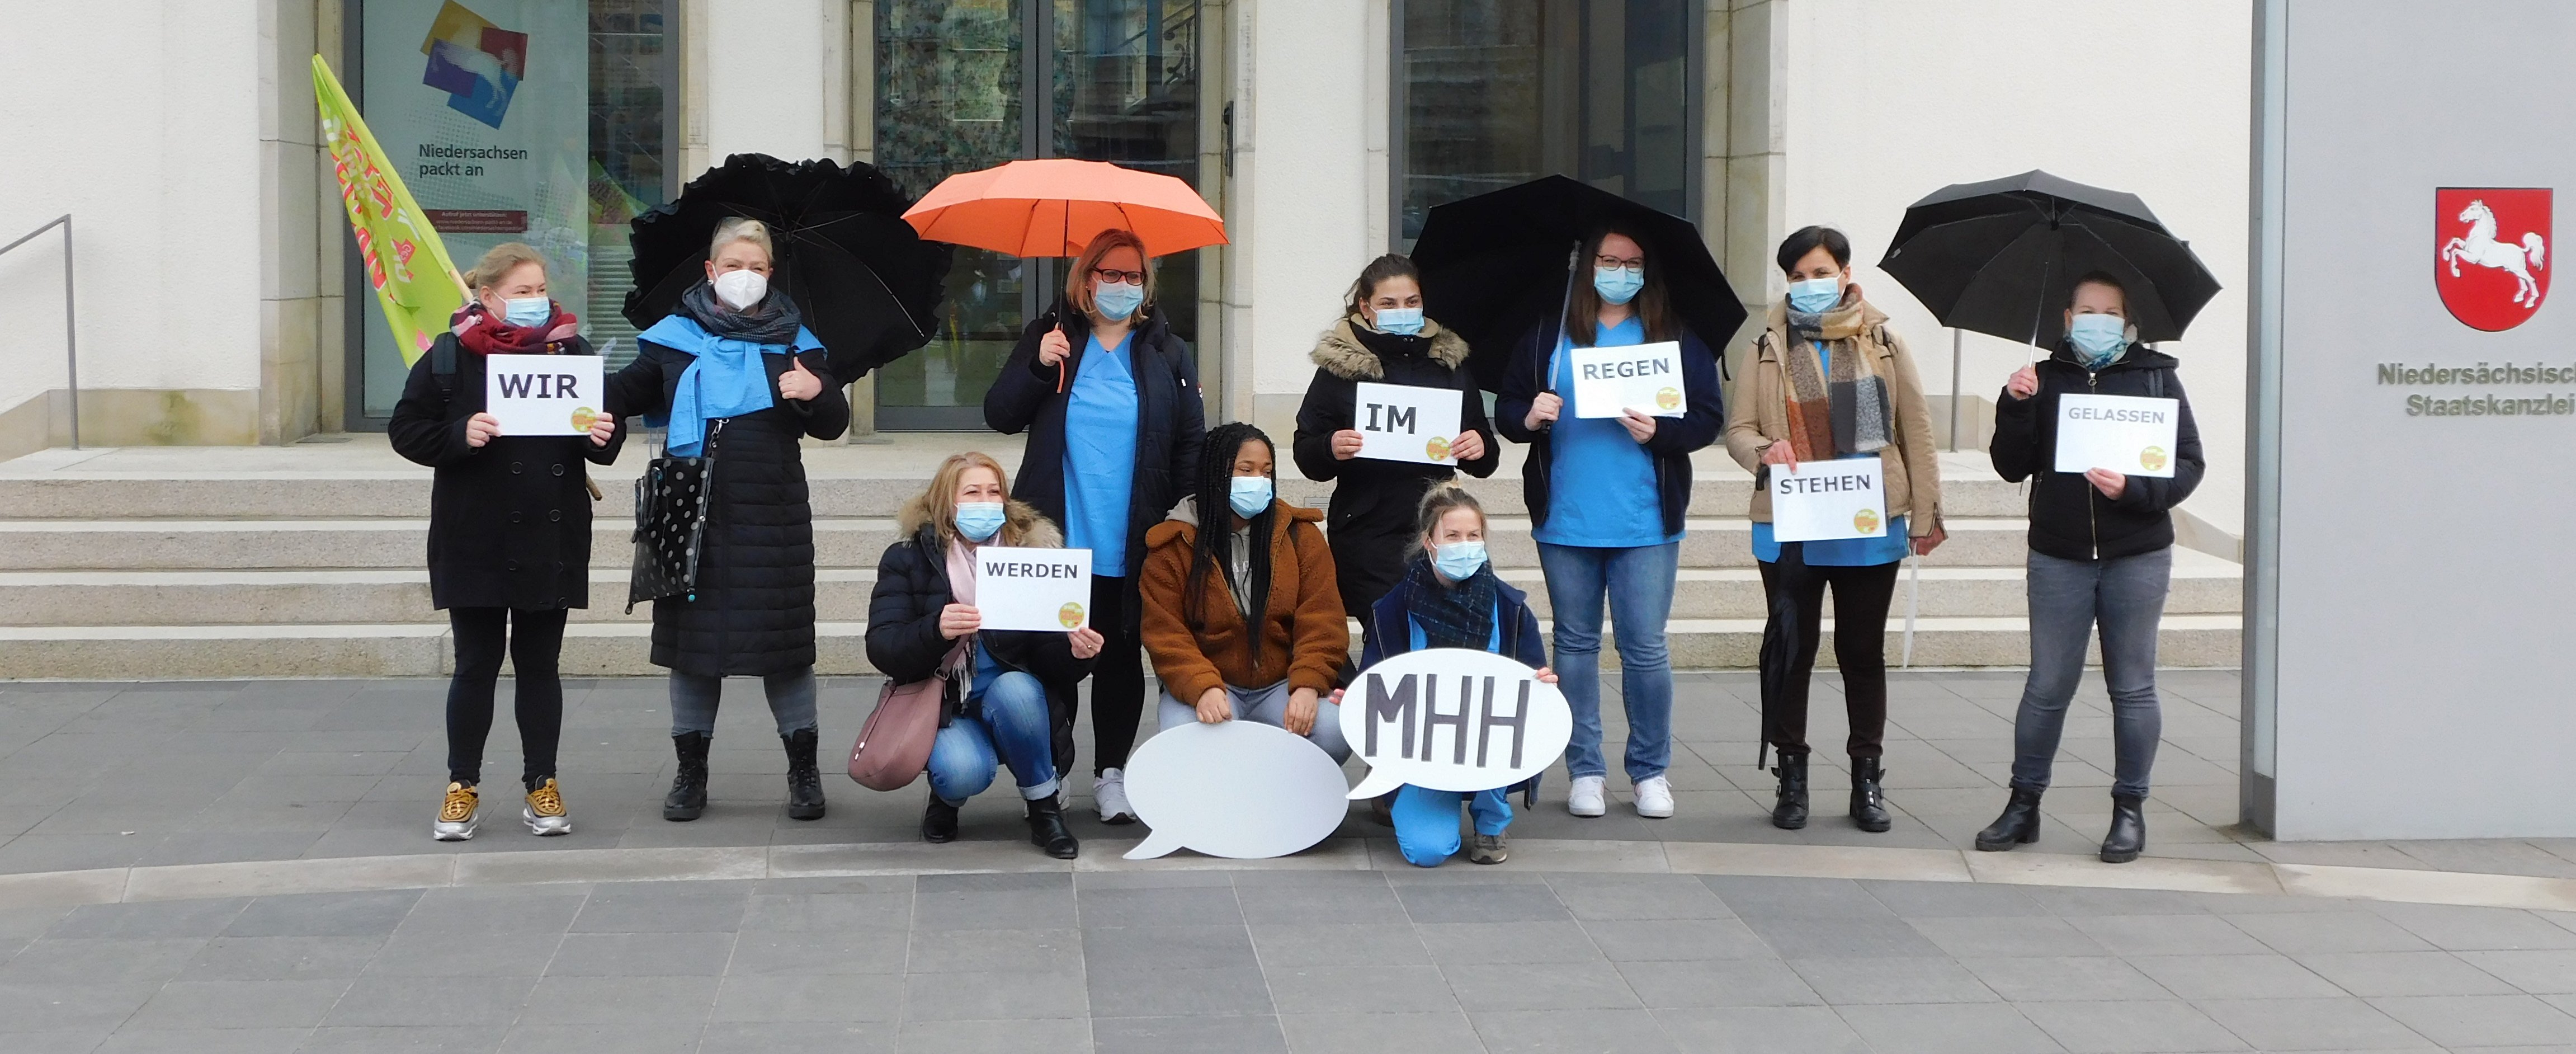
1305	635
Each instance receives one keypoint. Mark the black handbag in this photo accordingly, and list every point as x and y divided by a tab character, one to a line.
671	499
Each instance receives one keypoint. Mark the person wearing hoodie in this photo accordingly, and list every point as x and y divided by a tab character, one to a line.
2101	551
1829	379
1383	338
509	549
1450	598
922	622
1241	617
1109	396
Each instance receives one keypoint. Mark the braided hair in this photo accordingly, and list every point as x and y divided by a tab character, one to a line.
1215	545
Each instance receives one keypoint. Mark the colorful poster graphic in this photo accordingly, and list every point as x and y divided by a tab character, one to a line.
416	285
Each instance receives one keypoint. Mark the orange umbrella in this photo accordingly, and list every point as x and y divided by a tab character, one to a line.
1054	207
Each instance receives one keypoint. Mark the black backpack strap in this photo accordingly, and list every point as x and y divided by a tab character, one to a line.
442	368
2156	383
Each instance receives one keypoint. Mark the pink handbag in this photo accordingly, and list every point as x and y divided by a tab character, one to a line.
894	744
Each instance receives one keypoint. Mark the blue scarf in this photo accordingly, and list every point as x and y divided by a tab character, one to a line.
726	380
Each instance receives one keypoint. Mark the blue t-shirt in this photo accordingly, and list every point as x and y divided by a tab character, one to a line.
1840	552
986	670
1601	481
1100	455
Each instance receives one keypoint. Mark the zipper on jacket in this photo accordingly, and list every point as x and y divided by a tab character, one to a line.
2092	526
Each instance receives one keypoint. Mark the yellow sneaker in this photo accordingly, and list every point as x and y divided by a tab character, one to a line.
545	812
456	815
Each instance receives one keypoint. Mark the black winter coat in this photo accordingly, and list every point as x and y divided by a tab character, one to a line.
1371	521
2069	519
754	612
509	522
1171	425
1703	415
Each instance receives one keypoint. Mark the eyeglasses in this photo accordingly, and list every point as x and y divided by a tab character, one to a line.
1108	275
1634	263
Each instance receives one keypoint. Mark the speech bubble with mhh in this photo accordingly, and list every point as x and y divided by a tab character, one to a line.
1236	789
1452	719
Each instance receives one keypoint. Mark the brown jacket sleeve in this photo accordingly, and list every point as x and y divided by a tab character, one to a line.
1185	671
1744	438
1914	434
1323	631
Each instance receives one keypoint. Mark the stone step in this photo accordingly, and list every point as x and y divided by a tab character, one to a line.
622	648
2202	585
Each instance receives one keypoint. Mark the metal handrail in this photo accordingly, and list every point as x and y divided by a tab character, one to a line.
71	340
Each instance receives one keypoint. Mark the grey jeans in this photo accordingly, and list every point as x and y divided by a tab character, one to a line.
694	698
2067	597
1267	706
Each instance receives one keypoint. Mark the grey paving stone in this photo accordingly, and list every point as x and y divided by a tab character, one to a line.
2312	1024
2168	935
1941	900
150	919
2369	974
2548	972
1751	896
1669	940
1761	1030
770	1037
1254	1034
2005	936
1717	983
416	950
2339	931
1968	1028
1350	1033
1019	1036
421	1039
1592	898
1167	906
371	914
2131	1027
505	909
599	1039
2264	976
1166	947
670	1001
1625	1031
240	1004
2480	1020
1338	944
821	951
1359	989
1826	936
2076	901
806	912
1500	902
1452	943
1845	982
821	997
2038	979
99	960
204	1041
2454	928
672	908
994	902
642	955
1374	902
377	1000
985	996
280	958
1223	990
225	847
995	951
1486	987
70	1008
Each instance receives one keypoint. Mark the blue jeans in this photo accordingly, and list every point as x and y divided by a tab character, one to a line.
1014	727
1426	821
1639	585
1268	706
2127	596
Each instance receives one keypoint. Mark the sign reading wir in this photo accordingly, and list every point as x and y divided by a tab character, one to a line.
542	395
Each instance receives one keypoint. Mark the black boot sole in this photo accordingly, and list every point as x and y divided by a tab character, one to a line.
2121	857
1986	846
683	813
795	813
1797	823
1874	827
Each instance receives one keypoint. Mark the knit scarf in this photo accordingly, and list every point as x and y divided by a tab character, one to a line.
1841	411
725	376
1451	616
478	332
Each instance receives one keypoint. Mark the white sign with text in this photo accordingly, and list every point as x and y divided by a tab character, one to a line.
1642	377
542	395
2123	433
1827	501
1453	719
1033	589
1401	422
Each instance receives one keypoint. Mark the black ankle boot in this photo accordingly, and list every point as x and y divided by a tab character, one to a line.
688	796
1047	831
2128	835
2019	825
1868	803
1790	812
938	821
804	777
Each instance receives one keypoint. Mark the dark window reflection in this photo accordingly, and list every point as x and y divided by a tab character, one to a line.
1126	88
630	121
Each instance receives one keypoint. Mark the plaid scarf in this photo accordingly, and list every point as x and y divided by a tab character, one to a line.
1459	616
1846	412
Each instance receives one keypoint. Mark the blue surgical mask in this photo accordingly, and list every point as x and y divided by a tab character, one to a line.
1458	561
1401	321
2098	339
1617	285
977	520
1117	300
1251	495
527	311
1814	295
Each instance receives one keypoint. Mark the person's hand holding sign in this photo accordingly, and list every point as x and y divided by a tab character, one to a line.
1640	425
1347	444
1781	453
2024	382
1469	446
1053	347
480	428
1086	642
1215	709
958	620
602	429
799	383
1544	409
2111	484
1302	705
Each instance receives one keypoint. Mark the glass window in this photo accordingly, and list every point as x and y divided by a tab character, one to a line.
1126	85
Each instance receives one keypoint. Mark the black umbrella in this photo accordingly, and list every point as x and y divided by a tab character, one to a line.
868	285
1496	264
2002	256
1778	654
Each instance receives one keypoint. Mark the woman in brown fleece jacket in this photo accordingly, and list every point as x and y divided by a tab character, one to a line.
1232	551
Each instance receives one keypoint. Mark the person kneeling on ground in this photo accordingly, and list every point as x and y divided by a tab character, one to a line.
1450	598
922	622
1241	615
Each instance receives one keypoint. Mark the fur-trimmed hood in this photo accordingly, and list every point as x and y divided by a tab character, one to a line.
1340	353
1019	517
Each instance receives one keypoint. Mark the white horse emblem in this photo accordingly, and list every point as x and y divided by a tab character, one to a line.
2482	248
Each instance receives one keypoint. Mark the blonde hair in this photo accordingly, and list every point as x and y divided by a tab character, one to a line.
1077	282
742	229
499	261
1445	498
942	497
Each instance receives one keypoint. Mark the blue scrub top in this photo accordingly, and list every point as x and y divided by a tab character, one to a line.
1100	455
1840	552
1601	481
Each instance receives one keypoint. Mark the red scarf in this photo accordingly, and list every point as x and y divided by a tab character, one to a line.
483	334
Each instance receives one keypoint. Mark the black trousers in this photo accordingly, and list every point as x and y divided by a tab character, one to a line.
1118	681
534	642
1861	596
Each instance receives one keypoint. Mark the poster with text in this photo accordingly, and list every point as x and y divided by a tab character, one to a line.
2126	434
1646	378
1033	589
542	395
1829	500
1400	422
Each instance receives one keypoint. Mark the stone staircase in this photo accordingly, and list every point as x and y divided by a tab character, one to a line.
306	561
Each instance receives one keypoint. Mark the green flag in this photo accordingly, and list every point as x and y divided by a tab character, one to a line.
415	281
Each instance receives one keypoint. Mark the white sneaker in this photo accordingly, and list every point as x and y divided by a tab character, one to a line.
1109	792
1585	797
1655	798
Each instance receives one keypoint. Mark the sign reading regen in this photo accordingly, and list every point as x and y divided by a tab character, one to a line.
1646	378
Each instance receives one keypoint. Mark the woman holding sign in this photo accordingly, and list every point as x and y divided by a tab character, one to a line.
1110	399
1829	380
2101	551
1384	339
741	381
1241	617
1608	494
509	548
922	621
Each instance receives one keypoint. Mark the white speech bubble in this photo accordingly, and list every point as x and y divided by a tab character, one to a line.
1453	719
1237	789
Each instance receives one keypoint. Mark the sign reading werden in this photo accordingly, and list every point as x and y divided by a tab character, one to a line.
542	395
1033	589
1646	378
1828	500
1401	422
2123	433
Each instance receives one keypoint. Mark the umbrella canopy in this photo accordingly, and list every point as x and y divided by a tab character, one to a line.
1055	206
2001	257
1497	264
869	287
